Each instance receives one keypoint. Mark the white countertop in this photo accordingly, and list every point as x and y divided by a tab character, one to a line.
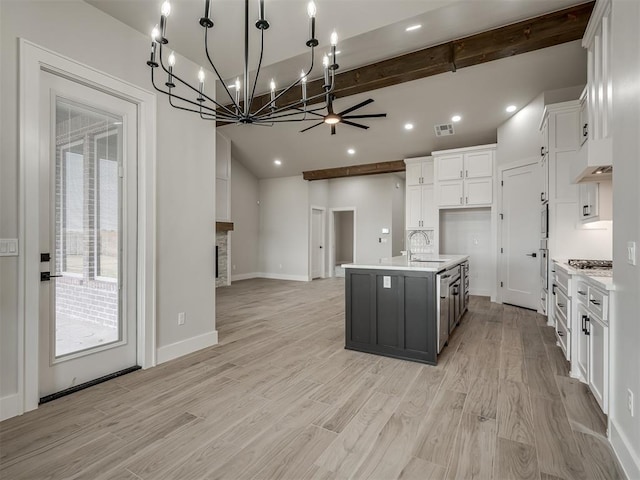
428	263
605	283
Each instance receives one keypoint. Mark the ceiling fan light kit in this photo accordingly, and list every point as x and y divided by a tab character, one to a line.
194	99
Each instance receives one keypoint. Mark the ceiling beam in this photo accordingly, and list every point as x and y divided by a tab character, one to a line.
355	170
536	33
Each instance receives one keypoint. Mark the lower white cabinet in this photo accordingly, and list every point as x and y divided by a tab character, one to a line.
581	357
599	361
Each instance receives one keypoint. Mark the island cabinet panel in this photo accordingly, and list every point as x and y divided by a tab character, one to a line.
391	313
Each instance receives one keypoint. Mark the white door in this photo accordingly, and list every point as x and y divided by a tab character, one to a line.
88	234
520	238
317	243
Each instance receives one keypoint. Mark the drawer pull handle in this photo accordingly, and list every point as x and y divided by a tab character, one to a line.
581	292
595	302
560	334
561	305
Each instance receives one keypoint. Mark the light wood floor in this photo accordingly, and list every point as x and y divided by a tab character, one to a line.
281	398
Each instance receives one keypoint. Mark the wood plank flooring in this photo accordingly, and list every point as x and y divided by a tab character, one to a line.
280	398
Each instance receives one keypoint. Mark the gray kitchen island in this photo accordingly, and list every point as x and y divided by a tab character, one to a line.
405	309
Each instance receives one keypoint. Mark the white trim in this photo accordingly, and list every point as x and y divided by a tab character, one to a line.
228	257
9	406
244	276
332	236
488	146
627	458
33	59
280	276
323	229
185	347
601	10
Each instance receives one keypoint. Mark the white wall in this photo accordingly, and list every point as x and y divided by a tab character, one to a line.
372	197
319	197
625	318
245	218
468	232
284	228
185	169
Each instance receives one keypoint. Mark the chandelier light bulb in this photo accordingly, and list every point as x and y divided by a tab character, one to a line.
311	9
154	33
172	62
325	61
237	84
303	77
166	9
272	85
334	39
201	75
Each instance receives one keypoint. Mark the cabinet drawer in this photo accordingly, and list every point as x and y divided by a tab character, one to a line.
563	334
563	280
598	303
582	290
562	304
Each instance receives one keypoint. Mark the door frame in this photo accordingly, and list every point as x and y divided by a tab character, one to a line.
500	263
332	236
323	269
33	59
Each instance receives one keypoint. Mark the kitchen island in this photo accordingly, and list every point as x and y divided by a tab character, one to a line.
405	309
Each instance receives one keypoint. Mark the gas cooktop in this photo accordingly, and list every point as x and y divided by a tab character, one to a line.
597	268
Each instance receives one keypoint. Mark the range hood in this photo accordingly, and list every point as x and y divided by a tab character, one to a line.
594	162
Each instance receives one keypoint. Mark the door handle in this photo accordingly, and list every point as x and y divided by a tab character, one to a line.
320	246
585	132
46	276
534	255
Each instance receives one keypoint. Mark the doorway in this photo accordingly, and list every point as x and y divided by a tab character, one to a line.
317	242
343	240
520	236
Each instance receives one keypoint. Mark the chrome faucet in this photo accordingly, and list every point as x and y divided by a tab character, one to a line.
410	237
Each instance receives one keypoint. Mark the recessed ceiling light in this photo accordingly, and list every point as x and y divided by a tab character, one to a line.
408	126
511	108
456	118
351	151
413	27
277	162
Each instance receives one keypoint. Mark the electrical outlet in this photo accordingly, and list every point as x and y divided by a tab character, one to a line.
181	318
630	401
631	253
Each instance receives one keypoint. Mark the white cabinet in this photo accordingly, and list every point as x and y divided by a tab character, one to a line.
420	207
595	201
464	177
562	311
584	117
599	360
582	347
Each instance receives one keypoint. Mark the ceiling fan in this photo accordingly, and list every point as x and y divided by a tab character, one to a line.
332	118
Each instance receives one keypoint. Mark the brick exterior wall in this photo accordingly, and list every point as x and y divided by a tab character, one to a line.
223	273
92	301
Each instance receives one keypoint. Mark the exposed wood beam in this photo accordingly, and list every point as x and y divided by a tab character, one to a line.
522	37
224	226
355	170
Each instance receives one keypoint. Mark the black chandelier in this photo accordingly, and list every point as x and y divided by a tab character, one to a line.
240	111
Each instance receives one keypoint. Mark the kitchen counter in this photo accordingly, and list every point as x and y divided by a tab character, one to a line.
605	283
421	263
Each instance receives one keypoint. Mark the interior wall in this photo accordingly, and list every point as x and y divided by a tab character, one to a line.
284	228
468	232
344	236
185	169
397	215
245	218
373	199
625	305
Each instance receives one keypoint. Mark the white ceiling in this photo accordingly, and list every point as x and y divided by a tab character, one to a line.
369	30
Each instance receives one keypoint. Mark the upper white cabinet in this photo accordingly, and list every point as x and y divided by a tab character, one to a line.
596	122
420	207
595	201
464	177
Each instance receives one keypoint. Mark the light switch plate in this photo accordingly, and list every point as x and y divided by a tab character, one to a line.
631	253
385	230
8	247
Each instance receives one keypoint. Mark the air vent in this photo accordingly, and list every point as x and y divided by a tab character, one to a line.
602	170
444	130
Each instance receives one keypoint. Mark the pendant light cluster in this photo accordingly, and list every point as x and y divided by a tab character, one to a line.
184	95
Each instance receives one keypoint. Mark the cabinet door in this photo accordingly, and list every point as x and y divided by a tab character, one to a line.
413	207
429	211
449	194
584	121
449	167
599	361
478	164
588	204
544	138
413	174
582	355
427	172
478	191
544	179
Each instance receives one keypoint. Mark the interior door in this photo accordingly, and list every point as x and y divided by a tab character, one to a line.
520	238
87	234
317	243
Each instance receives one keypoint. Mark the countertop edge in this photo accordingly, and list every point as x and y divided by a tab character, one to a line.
414	266
604	283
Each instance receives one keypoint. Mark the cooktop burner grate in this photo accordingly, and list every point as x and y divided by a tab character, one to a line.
591	264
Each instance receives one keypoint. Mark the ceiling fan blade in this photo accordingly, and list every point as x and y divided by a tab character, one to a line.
333	129
355	107
370	115
312	126
346	122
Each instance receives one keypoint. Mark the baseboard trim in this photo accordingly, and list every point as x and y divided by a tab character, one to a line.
627	458
279	276
9	406
185	347
244	276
